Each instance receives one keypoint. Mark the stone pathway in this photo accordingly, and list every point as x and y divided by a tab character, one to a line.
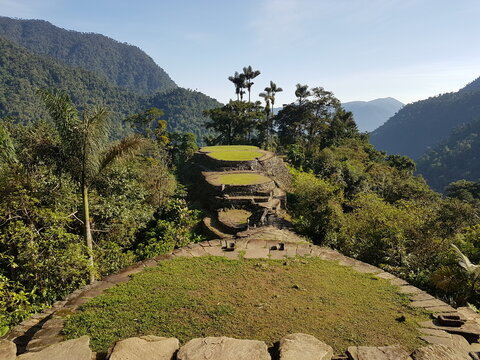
454	328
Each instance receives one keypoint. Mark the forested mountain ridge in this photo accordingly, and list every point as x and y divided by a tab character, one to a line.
122	64
369	115
423	124
22	72
456	158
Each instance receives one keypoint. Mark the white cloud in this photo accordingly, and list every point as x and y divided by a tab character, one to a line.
25	8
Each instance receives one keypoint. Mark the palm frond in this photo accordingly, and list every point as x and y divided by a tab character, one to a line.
466	264
126	147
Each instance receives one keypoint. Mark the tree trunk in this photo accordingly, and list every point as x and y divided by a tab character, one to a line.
87	232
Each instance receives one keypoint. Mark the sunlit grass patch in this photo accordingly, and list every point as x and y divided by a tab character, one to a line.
254	299
233	152
242	179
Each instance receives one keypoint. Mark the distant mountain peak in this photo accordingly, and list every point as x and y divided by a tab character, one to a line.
122	64
369	115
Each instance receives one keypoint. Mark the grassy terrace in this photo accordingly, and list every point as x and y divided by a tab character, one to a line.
234	217
241	179
254	299
233	152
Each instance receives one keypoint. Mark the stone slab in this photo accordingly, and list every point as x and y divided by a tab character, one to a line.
8	350
145	347
223	348
303	346
75	349
378	353
256	253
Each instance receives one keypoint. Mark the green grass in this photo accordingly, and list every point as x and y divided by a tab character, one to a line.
242	179
233	152
228	148
234	217
252	299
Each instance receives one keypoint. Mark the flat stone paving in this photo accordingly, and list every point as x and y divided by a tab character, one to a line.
44	329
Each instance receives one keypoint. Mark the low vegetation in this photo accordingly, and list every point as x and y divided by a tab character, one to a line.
255	299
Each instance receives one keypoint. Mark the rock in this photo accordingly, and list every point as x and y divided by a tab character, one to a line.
75	349
440	352
223	348
305	347
8	350
145	347
378	353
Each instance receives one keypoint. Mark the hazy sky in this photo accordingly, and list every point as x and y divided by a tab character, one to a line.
359	49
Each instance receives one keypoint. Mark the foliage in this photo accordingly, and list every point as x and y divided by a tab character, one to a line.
370	206
122	64
455	158
171	229
22	73
235	122
424	124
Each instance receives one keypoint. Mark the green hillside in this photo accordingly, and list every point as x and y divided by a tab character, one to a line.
22	72
456	158
122	64
423	124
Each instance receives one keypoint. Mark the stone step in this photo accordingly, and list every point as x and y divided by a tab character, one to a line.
212	231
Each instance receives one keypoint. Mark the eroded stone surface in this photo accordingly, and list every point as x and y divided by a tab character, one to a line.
378	353
75	349
8	350
439	352
145	347
223	348
305	347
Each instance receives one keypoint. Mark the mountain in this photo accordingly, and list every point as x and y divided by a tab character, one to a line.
423	124
23	72
369	115
454	159
122	64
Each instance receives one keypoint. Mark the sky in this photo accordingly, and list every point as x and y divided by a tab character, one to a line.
359	49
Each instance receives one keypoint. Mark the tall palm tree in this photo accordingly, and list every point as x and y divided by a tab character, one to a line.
238	81
302	93
249	75
274	89
85	149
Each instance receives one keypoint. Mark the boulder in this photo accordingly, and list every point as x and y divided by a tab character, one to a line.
145	347
75	349
8	350
440	352
395	352
305	347
223	348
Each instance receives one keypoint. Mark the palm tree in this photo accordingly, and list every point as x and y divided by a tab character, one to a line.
249	75
238	81
302	93
274	90
85	149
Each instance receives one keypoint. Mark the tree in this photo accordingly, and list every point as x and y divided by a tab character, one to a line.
249	74
85	149
269	96
238	81
302	93
234	122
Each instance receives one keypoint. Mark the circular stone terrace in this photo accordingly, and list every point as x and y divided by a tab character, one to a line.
356	288
233	152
